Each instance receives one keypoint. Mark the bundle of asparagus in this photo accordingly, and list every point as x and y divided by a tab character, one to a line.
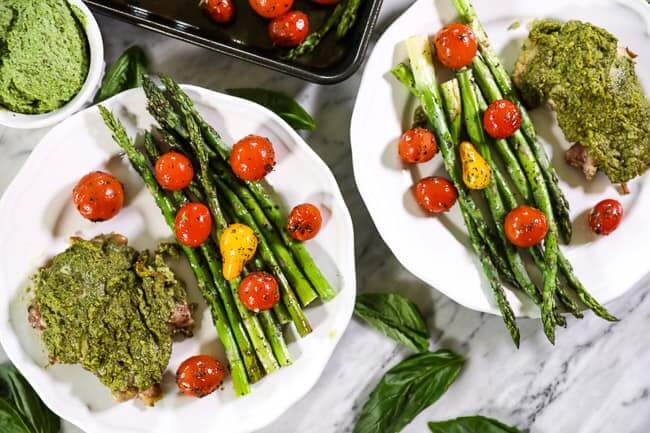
254	342
461	102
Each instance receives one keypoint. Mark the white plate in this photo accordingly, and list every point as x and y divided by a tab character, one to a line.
436	249
37	216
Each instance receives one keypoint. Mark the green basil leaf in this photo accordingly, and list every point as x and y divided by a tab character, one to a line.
282	105
396	317
17	398
126	73
471	424
408	388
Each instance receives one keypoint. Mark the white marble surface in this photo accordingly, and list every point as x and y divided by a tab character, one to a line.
595	380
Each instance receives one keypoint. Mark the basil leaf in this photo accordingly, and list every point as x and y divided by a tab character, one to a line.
126	73
471	424
408	388
396	317
282	105
20	406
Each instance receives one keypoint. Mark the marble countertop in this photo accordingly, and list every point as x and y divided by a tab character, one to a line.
595	380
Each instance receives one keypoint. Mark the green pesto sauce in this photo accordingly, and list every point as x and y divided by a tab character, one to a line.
44	55
594	89
107	307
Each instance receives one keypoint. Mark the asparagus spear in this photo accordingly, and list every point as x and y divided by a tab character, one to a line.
243	321
561	205
240	381
272	210
424	75
312	41
404	74
518	142
348	18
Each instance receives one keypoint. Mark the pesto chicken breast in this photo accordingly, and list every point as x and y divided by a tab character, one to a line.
113	310
591	83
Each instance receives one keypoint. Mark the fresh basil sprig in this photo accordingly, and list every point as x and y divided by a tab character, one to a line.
408	388
471	424
126	73
282	105
396	317
21	410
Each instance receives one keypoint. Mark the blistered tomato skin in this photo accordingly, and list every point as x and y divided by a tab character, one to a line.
221	11
271	8
200	375
259	291
252	158
456	46
98	196
174	171
605	217
289	29
193	224
435	194
501	119
525	226
417	145
305	221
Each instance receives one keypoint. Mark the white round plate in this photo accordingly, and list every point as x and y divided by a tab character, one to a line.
436	249
37	217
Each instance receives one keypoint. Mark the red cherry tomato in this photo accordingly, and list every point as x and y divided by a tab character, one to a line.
271	8
417	145
174	171
456	46
193	224
435	194
290	29
525	226
98	196
221	11
259	291
252	157
305	221
326	2
501	119
606	216
200	375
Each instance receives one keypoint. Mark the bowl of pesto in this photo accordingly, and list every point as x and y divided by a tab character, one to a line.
51	61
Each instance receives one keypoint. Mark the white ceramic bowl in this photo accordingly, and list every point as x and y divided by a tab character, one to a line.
37	217
85	95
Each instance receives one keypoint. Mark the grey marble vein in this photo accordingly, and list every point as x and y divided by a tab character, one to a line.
595	380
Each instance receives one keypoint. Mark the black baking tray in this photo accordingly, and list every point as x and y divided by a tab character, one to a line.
246	37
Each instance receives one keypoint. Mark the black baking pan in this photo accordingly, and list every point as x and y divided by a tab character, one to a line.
246	37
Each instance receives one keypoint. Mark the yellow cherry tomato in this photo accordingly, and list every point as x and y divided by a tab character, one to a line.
476	172
237	244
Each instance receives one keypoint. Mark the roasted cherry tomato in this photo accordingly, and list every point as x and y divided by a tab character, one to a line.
200	375
435	194
98	196
326	2
525	226
305	221
289	29
259	291
417	145
501	119
271	8
456	46
606	216
221	11
252	157
174	171
193	224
